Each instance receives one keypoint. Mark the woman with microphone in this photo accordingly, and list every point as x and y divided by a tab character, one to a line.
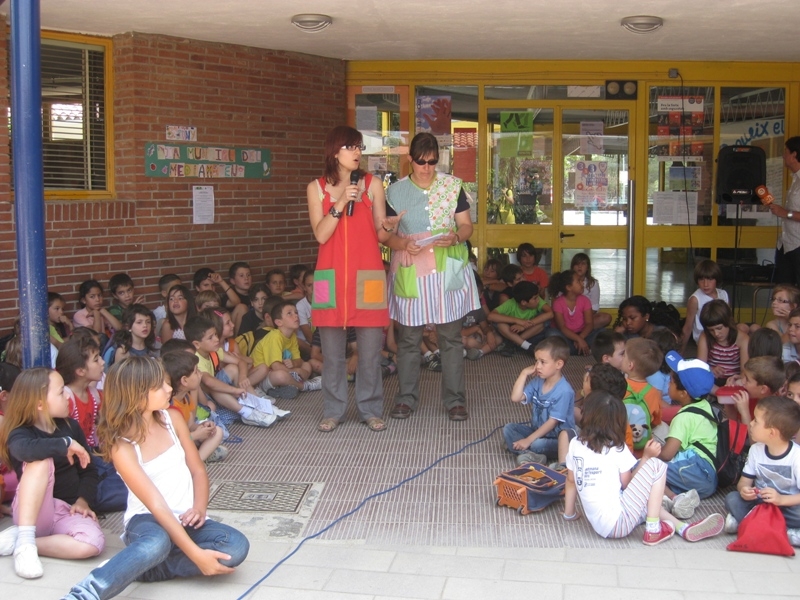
347	209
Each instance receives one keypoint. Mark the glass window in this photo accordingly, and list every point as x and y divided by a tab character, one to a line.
681	155
608	267
378	117
450	112
509	256
754	117
521	167
74	109
670	273
544	92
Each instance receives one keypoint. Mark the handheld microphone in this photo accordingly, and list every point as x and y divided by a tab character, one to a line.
352	204
764	195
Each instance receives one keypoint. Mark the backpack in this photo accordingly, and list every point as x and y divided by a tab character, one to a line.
638	416
732	447
247	341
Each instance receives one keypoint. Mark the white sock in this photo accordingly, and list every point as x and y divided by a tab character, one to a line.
245	412
427	355
26	535
525	345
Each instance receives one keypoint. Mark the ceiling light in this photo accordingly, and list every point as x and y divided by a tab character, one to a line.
311	23
642	23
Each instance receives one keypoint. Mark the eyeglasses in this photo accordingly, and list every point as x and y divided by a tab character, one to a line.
430	162
354	147
781	301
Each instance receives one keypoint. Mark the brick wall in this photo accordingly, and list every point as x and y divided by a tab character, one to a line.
235	96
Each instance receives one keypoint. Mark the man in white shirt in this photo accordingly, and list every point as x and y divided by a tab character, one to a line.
787	254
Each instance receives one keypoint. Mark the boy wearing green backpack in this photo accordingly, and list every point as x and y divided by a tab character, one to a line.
642	401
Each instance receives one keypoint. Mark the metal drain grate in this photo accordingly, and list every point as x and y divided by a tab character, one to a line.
262	496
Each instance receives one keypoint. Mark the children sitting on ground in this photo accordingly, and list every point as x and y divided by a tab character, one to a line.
53	506
690	447
772	472
282	354
276	282
582	265
181	367
761	377
708	278
617	492
511	275
492	283
60	325
667	342
604	378
633	318
552	402
8	478
122	290
791	349
295	287
522	319
765	342
92	313
528	262
477	335
166	533
180	308
208	280
165	284
572	313
722	345
206	299
609	347
306	332
785	298
136	338
223	377
254	317
240	279
643	402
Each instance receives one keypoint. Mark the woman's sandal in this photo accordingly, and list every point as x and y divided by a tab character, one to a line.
375	424
327	425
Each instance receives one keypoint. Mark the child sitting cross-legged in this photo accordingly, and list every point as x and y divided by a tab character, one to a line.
522	319
617	492
280	352
772	472
181	367
222	375
552	401
643	402
691	444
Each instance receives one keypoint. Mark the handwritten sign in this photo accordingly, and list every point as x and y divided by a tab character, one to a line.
206	162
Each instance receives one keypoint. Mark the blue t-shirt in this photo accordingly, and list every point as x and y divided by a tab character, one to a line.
558	403
660	381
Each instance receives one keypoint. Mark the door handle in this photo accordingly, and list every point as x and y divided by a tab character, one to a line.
563	235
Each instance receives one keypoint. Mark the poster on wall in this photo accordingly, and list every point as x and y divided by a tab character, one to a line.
202	204
591	183
669	208
592	137
434	115
206	162
685	178
680	121
465	153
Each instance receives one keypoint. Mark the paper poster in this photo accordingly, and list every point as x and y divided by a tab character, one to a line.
376	164
433	114
685	178
181	133
592	137
516	121
591	183
669	208
367	118
465	153
202	204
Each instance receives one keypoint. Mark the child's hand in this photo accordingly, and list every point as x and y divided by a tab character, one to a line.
718	371
523	444
193	518
289	363
239	392
583	347
75	450
734	381
771	496
742	400
139	300
748	493
782	311
517	328
651	450
82	508
245	383
216	278
208	562
203	432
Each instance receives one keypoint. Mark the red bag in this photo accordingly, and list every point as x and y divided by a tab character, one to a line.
763	530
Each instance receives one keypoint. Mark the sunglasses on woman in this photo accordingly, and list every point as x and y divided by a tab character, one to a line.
430	162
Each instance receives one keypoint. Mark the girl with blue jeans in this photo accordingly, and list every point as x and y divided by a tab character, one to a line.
166	534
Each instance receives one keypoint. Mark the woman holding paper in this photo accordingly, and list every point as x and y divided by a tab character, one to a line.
430	278
348	216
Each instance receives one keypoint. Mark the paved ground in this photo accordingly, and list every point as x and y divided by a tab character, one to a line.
439	536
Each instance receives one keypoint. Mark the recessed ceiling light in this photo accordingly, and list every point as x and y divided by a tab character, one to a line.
642	23
311	23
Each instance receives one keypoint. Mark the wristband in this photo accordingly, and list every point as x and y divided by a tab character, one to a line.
458	239
69	441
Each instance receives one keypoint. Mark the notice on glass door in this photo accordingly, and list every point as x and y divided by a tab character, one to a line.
670	208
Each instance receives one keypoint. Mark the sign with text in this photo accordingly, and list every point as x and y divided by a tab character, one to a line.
206	162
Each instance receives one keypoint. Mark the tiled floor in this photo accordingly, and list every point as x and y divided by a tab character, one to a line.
440	535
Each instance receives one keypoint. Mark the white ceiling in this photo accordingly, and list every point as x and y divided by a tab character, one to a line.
751	30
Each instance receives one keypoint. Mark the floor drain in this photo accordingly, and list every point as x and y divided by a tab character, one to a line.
259	496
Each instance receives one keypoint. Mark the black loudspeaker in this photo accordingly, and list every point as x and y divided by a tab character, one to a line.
740	170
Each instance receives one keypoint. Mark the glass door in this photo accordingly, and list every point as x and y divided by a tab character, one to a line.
596	171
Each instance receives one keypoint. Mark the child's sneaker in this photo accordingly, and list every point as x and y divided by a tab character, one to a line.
279	412
667	531
284	392
435	364
8	539
474	353
794	537
259	419
313	384
666	504
296	376
731	524
709	527
26	562
531	457
683	505
506	349
220	453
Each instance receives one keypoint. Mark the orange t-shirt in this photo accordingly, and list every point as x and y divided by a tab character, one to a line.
539	277
652	398
184	405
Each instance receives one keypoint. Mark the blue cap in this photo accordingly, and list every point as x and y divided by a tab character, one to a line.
695	375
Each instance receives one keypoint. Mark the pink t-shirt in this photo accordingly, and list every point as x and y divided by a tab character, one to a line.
573	319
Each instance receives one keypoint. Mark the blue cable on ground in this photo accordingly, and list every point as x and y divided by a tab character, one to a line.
361	505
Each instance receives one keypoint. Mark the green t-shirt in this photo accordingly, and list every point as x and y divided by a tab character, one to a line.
510	308
689	428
